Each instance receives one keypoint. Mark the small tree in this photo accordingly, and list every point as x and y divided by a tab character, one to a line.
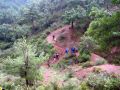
25	64
74	14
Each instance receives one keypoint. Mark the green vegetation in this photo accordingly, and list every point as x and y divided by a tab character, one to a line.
74	14
105	31
116	1
24	50
103	82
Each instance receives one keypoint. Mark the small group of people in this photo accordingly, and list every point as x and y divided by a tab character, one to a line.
56	56
73	50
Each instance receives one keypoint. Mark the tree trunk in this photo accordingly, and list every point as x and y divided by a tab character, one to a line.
26	66
72	24
26	69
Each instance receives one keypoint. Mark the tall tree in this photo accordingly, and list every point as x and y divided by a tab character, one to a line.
72	15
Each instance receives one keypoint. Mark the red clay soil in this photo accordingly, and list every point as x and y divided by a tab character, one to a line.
107	68
94	58
71	40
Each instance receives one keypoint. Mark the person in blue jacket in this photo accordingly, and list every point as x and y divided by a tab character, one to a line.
72	50
67	50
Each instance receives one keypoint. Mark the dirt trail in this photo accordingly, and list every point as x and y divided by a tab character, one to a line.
69	41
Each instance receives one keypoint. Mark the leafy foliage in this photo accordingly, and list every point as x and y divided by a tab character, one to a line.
29	17
103	31
74	14
25	65
98	13
103	81
116	1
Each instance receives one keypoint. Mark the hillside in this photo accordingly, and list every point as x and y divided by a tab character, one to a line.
60	44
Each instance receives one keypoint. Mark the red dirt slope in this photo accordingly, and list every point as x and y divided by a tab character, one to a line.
107	68
71	40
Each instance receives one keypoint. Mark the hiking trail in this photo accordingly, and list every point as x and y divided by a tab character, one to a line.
69	41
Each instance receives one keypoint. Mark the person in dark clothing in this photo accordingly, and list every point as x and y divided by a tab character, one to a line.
57	56
54	57
73	50
53	37
48	63
76	50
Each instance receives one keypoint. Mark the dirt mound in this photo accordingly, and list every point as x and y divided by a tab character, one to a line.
102	68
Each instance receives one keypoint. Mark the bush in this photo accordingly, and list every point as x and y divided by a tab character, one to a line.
103	31
87	64
116	60
52	86
61	65
100	62
84	86
40	88
84	57
8	86
87	44
112	84
103	82
5	45
70	87
96	81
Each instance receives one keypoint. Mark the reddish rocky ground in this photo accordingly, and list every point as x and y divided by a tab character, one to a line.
69	41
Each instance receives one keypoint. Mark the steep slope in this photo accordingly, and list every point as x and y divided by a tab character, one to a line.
69	42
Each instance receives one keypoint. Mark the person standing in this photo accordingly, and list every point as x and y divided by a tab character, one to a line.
48	63
72	50
57	56
67	50
53	37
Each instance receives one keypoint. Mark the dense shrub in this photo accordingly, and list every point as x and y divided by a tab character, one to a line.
116	60
87	44
10	33
84	57
5	45
84	86
42	45
105	31
103	82
8	86
61	65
